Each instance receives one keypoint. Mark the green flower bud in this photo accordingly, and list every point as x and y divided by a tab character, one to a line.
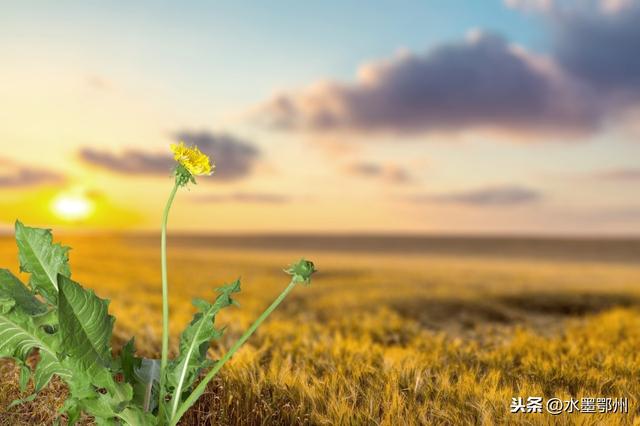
301	271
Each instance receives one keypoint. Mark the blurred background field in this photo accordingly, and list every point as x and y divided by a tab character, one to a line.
392	331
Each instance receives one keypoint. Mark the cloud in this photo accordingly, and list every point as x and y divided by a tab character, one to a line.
491	196
131	161
631	213
620	174
98	82
598	43
595	41
234	158
590	78
610	214
555	6
386	172
482	82
243	197
16	176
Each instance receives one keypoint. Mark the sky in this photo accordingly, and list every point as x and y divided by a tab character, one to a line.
433	116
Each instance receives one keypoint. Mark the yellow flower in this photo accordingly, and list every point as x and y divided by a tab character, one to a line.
197	163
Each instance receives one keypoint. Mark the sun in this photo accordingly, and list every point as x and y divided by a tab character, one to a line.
72	206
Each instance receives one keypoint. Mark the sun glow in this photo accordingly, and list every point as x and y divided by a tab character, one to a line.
72	207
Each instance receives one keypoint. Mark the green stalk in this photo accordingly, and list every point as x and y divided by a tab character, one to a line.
199	390
165	295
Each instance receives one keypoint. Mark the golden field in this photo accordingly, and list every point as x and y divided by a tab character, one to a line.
412	335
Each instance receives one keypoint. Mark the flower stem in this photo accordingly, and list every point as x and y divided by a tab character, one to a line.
199	390
165	295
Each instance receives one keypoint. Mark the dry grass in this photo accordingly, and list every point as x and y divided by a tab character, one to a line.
379	339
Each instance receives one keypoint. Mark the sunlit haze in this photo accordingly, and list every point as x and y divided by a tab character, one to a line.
421	117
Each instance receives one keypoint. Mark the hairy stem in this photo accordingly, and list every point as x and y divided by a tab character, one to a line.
199	390
165	295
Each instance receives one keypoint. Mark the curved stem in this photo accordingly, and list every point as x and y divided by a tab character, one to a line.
165	295
199	390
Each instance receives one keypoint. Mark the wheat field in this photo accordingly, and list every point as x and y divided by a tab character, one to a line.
381	337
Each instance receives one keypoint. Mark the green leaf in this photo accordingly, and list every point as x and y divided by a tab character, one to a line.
128	360
20	333
147	384
194	344
46	368
99	395
85	331
85	326
12	288
42	259
72	409
134	416
25	375
22	400
143	374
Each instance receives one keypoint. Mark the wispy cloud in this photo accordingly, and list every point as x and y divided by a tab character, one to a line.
390	173
509	195
629	213
619	174
243	197
17	176
135	162
234	158
99	82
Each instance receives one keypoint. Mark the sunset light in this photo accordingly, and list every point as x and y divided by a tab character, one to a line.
463	176
72	207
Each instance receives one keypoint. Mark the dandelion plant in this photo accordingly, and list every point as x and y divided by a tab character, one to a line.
71	329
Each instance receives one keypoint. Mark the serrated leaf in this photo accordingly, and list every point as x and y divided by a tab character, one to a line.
85	330
42	259
194	344
99	395
20	333
85	326
128	360
12	288
46	368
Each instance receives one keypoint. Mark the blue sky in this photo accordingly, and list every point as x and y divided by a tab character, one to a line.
204	45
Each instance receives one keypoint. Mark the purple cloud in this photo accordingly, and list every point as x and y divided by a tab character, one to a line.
130	161
481	82
16	176
234	158
492	196
386	172
590	77
243	197
597	41
629	173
